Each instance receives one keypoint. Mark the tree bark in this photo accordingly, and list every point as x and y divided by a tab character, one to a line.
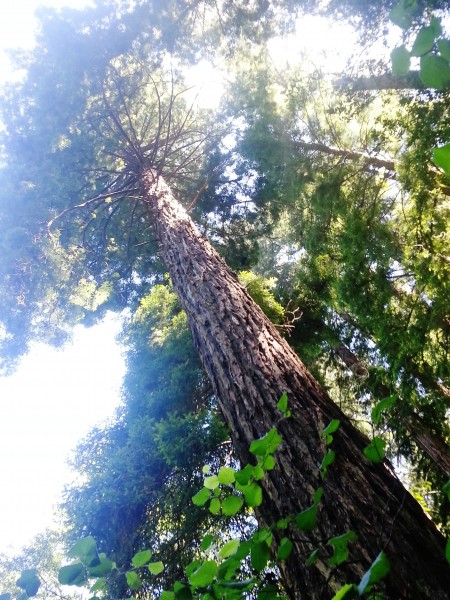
250	367
431	444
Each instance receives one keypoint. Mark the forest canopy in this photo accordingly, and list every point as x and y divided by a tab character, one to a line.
281	264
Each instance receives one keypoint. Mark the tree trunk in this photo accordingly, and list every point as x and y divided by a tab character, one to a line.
250	367
431	444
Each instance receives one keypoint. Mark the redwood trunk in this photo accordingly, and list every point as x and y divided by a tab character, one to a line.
250	366
431	444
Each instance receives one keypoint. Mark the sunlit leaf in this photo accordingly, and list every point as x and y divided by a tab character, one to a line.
347	592
401	61
141	558
201	497
441	157
229	548
204	575
381	406
267	444
214	507
206	542
226	475
156	568
434	71
211	482
378	570
133	580
232	505
375	450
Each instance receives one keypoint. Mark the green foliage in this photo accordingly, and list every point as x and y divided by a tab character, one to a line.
374	452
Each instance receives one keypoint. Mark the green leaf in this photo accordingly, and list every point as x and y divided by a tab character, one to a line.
284	549
214	507
441	157
347	592
226	475
229	548
446	489
201	497
435	25
312	557
269	463
99	585
447	551
378	570
244	475
258	472
141	558
206	542
269	592
375	450
424	42
318	495
204	575
332	427
206	469
381	406
444	48
282	405
401	61
252	494
340	547
156	568
211	482
232	505
29	581
402	12
103	568
267	444
133	580
259	556
73	574
328	460
86	550
307	519
434	71
167	596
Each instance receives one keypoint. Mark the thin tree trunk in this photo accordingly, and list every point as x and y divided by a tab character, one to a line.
250	367
431	444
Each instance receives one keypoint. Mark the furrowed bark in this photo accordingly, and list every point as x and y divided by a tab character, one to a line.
250	367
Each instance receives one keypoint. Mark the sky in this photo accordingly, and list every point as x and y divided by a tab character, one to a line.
55	397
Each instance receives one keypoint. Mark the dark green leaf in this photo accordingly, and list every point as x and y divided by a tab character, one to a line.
284	549
73	574
435	25
424	42
201	497
229	548
252	494
318	495
434	71
269	592
347	592
441	157
29	581
379	569
267	444
206	542
156	568
401	61
381	406
446	489
444	49
259	556
204	575
232	505
141	558
312	557
226	475
447	550
375	450
244	475
103	568
133	580
307	519
340	547
167	596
